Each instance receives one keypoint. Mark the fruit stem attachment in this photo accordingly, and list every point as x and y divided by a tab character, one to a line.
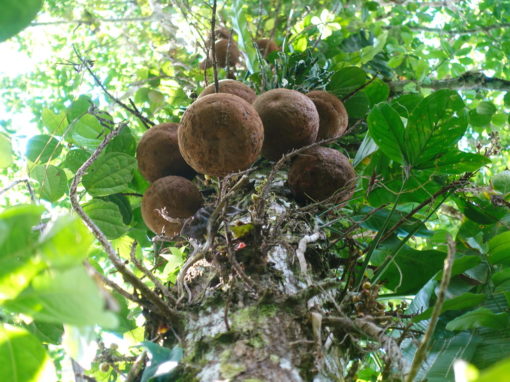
213	48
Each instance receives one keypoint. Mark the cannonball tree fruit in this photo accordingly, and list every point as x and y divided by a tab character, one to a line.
333	118
158	154
320	172
231	87
266	46
290	121
227	53
219	134
168	202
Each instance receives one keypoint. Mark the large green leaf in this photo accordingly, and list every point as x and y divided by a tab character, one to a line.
437	123
497	373
481	317
67	297
387	130
42	148
66	242
401	275
87	131
5	151
499	249
455	162
244	40
107	217
55	123
75	158
464	301
23	357
52	181
357	105
15	16
346	81
111	173
163	362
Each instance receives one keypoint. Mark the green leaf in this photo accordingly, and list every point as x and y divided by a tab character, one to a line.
496	373
55	123
479	120
499	249
123	143
405	104
357	106
16	15
401	275
75	159
387	130
78	108
5	151
42	148
506	99
66	242
367	147
464	301
67	297
244	40
109	174
377	91
346	81
437	123
124	206
87	131
456	162
501	276
163	361
107	217
501	182
52	181
481	317
46	332
23	357
486	108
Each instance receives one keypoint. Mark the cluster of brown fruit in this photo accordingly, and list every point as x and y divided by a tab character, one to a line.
225	132
227	52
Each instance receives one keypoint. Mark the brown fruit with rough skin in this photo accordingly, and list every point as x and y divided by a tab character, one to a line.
231	87
158	154
173	197
226	50
332	114
266	46
290	121
319	173
219	134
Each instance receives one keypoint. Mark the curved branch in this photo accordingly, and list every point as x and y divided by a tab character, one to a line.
467	81
91	21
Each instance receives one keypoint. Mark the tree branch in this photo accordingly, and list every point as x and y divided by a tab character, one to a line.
86	64
421	352
100	236
91	21
467	81
15	183
458	32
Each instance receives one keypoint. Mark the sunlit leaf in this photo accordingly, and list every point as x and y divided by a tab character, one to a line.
16	15
387	130
109	174
107	217
42	148
52	181
481	317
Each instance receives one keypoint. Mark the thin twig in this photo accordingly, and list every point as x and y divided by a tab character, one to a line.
421	352
213	48
15	183
112	284
100	236
86	64
150	275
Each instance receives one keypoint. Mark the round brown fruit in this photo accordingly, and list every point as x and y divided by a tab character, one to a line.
321	172
231	87
219	134
167	202
266	46
158	154
223	49
290	121
332	114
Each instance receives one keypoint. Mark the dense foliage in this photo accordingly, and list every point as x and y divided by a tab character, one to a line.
426	86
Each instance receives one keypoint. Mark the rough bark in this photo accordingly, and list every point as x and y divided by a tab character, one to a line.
467	81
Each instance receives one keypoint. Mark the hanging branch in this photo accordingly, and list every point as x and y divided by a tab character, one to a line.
15	183
86	64
467	81
100	236
213	48
421	352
